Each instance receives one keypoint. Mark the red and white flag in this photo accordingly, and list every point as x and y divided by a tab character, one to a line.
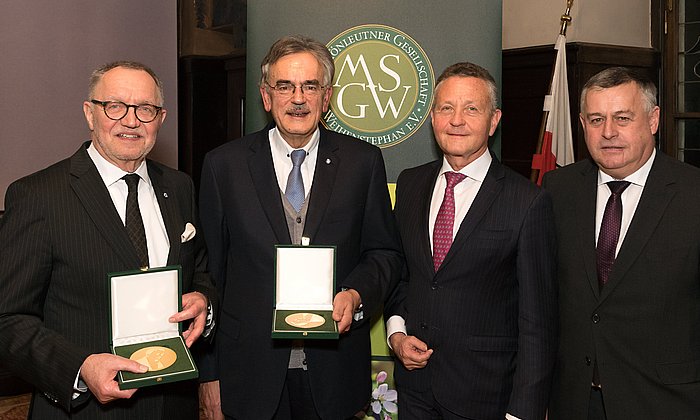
557	144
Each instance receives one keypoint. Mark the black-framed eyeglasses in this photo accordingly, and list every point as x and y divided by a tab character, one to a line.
285	89
116	110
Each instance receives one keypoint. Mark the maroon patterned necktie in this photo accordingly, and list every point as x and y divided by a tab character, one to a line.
610	231
444	223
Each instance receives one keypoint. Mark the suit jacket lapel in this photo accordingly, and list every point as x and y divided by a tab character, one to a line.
262	172
168	210
488	192
585	207
94	197
327	164
658	192
421	217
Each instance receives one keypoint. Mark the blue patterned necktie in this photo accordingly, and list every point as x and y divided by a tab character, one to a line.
295	183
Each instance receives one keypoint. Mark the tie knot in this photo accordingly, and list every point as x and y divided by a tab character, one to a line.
617	187
454	178
132	181
298	157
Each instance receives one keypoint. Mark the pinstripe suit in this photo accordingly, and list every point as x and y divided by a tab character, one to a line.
489	313
59	238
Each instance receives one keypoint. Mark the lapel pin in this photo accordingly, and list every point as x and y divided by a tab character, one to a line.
328	161
165	195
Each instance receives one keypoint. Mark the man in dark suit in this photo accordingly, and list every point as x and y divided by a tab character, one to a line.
473	321
249	205
629	279
62	233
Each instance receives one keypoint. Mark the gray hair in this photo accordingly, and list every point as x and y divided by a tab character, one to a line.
132	65
616	76
298	44
467	69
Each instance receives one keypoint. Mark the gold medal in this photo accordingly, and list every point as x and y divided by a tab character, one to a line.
304	320
155	357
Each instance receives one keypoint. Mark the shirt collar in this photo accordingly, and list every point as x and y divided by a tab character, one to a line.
109	172
638	177
284	149
476	170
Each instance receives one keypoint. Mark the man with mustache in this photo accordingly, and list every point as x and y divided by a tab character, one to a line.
251	199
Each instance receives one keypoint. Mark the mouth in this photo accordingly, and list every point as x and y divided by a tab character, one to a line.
128	136
612	148
298	112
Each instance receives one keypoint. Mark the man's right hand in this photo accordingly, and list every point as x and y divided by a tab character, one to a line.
99	370
210	399
412	352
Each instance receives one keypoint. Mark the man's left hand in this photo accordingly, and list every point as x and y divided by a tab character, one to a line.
345	304
194	306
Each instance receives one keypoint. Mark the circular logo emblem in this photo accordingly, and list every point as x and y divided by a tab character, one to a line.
383	87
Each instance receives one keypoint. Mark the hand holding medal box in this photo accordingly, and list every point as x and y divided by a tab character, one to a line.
141	303
304	291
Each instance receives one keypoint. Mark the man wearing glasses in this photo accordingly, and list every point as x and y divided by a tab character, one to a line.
294	179
106	209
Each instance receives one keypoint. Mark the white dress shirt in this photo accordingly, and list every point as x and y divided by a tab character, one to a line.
156	235
465	193
630	197
282	161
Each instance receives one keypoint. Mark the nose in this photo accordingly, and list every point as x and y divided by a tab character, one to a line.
457	118
130	120
609	129
298	95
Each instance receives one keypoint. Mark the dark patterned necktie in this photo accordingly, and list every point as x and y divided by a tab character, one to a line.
134	222
444	223
295	183
610	231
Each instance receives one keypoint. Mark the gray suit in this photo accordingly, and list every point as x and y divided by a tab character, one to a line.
59	238
644	327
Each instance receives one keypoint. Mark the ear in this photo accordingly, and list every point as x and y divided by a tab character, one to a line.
163	114
327	98
88	109
654	120
495	119
267	100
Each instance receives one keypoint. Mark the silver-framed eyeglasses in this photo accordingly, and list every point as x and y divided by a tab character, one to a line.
116	110
285	89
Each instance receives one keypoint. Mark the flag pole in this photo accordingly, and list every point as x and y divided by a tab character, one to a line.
565	20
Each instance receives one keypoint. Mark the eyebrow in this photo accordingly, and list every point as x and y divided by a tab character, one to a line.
305	82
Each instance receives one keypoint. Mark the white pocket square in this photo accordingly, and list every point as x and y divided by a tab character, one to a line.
189	233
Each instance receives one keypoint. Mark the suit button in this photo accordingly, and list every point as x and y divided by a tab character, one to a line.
595	318
423	325
588	361
298	219
434	286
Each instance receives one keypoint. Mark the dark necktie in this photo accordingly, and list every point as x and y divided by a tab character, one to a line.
295	183
134	222
444	223
610	231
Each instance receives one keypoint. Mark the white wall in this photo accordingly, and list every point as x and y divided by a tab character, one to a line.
614	22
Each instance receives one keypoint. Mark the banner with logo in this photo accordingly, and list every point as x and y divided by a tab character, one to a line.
387	55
